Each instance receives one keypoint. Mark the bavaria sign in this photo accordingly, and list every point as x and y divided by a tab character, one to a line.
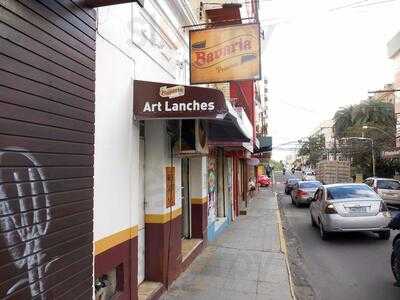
225	54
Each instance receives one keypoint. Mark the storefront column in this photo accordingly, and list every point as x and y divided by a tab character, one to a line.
199	197
162	225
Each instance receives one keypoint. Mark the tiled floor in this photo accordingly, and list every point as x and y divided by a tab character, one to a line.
245	262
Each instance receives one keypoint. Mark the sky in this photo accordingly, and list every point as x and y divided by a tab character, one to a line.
322	55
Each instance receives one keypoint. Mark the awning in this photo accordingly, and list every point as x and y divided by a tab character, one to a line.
235	127
153	100
265	144
98	3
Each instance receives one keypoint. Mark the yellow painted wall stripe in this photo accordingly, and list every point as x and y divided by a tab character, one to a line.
162	218
199	200
115	239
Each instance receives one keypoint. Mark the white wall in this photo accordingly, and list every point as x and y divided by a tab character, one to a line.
116	143
132	43
157	158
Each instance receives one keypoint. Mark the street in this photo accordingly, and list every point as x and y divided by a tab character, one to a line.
348	266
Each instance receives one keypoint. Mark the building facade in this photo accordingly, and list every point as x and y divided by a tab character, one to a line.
91	188
394	54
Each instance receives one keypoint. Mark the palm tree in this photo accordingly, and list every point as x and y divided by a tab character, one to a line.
343	119
349	121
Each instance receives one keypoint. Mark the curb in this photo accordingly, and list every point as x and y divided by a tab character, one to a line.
283	247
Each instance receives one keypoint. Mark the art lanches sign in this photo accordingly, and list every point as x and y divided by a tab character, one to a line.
154	100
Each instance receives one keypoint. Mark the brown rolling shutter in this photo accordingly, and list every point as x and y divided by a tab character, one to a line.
47	72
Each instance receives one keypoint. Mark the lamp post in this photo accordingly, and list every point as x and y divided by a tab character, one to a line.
372	149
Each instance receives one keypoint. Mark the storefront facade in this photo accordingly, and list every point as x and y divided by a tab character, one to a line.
110	186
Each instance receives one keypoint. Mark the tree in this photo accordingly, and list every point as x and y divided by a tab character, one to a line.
313	148
349	122
276	165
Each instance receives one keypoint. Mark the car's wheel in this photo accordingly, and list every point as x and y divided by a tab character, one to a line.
384	235
323	234
313	223
395	264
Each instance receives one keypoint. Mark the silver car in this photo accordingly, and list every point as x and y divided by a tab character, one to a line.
388	189
303	192
349	207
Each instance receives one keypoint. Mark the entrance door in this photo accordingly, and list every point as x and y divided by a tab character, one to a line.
141	233
186	207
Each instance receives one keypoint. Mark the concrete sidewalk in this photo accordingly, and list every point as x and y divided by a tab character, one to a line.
245	262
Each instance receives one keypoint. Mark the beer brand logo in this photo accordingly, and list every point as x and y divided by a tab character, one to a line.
243	46
172	92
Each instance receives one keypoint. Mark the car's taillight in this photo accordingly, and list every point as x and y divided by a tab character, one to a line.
301	193
330	209
383	207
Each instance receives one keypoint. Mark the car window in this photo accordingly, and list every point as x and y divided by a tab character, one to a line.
388	184
350	192
318	194
310	184
369	182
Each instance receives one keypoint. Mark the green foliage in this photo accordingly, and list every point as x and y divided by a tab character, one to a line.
276	165
349	122
313	148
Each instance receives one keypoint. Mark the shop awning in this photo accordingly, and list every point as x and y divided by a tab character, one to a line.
98	3
236	127
265	144
153	100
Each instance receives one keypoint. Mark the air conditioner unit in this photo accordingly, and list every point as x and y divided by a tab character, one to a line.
192	138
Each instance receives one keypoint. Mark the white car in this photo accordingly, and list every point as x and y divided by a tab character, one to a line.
387	188
349	207
308	176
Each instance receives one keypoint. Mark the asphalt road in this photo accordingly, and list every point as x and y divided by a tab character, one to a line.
349	266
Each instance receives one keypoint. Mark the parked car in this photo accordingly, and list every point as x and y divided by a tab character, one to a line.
303	192
289	184
388	189
349	207
264	180
308	175
395	257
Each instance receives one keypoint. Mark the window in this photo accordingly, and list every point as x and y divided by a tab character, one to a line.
310	184
369	182
388	185
350	192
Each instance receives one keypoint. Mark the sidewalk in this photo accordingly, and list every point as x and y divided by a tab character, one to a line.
245	262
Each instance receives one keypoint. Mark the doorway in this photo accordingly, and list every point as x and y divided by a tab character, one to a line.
186	205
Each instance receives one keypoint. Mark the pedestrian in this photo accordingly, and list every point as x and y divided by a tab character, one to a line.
252	187
268	170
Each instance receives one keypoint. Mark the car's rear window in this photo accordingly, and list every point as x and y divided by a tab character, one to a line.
350	192
310	184
388	185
